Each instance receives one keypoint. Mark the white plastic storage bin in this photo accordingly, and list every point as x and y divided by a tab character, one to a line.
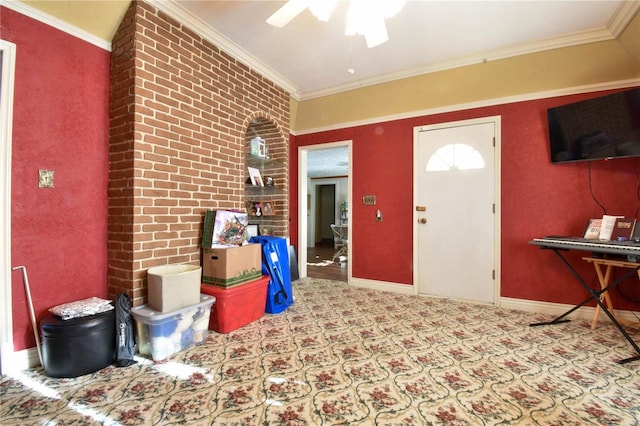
162	334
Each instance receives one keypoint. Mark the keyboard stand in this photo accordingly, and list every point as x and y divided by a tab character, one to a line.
595	295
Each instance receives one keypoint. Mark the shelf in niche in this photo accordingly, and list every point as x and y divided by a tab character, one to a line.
259	162
263	190
274	168
272	217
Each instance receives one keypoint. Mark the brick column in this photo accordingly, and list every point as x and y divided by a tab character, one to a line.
180	110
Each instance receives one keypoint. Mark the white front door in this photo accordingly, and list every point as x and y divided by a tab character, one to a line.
455	219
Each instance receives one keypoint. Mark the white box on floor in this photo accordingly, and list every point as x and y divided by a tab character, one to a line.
173	286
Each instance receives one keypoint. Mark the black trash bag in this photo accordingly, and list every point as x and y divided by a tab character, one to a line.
125	343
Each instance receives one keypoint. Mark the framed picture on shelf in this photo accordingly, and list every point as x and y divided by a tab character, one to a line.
253	230
267	208
268	182
258	147
254	208
254	175
248	205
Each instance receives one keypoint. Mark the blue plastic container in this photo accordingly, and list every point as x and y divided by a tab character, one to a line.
275	264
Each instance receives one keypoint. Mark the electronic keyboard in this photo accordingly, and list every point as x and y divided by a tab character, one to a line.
629	248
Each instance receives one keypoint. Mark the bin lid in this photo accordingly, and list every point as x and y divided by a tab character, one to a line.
147	314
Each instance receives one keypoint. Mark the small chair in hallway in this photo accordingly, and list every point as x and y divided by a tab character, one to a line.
340	242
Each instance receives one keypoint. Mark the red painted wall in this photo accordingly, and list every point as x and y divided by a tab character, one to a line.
537	199
60	123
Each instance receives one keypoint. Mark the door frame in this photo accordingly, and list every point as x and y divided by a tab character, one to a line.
302	202
7	76
496	121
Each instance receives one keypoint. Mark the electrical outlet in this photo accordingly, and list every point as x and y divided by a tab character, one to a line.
45	178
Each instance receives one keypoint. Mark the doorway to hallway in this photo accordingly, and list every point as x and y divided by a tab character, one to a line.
324	184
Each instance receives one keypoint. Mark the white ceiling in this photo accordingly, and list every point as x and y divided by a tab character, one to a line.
312	57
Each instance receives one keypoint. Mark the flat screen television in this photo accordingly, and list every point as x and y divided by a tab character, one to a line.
605	127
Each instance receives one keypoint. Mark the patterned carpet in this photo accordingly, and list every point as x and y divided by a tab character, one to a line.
345	355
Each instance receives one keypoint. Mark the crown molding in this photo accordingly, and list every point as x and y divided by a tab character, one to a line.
56	23
176	11
619	21
478	104
574	39
622	17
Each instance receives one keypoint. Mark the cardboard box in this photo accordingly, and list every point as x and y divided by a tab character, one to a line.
173	286
162	334
238	306
230	266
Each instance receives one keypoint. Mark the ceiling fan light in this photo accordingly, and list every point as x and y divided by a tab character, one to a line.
376	31
322	9
365	18
357	17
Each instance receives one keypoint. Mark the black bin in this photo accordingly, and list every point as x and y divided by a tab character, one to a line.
78	346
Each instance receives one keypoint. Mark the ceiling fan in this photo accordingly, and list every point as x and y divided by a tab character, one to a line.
365	17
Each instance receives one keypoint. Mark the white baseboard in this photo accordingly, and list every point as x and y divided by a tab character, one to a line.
557	309
22	360
546	308
382	285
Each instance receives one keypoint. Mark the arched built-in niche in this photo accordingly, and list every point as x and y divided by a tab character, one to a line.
267	198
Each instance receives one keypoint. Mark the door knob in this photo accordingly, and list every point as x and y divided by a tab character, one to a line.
422	220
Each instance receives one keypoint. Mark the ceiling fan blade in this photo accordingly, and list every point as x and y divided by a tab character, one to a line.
287	12
376	31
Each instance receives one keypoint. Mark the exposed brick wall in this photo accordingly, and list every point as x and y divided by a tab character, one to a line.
180	110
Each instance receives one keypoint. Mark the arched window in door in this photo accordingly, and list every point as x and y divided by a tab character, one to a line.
455	156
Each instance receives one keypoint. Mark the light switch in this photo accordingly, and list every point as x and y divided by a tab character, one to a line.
45	178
